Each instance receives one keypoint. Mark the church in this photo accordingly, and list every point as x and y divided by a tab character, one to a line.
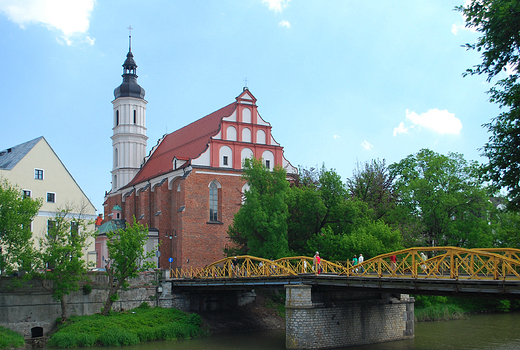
189	186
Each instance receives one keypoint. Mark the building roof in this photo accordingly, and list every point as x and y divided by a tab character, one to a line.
11	156
111	226
186	143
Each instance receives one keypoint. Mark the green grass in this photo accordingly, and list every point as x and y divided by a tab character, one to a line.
439	312
126	328
10	339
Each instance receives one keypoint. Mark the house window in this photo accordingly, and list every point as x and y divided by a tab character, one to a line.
213	202
225	160
51	228
26	194
38	174
74	228
51	197
268	164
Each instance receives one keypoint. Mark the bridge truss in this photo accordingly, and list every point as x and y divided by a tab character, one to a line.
443	263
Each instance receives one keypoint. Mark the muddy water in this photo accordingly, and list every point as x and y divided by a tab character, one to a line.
478	332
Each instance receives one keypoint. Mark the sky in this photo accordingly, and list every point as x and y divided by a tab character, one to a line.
342	82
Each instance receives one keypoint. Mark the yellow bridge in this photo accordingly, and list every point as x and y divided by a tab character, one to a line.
445	263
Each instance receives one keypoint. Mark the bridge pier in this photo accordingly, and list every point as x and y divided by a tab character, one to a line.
320	317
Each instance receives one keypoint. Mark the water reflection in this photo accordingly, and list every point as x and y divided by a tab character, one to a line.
478	332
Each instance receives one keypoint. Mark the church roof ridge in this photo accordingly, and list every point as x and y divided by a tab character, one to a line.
186	143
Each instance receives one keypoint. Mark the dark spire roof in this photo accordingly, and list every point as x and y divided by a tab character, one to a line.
129	87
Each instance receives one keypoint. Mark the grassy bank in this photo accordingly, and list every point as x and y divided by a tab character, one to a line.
439	308
10	339
126	328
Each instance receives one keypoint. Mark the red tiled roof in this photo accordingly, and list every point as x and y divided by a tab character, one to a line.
186	143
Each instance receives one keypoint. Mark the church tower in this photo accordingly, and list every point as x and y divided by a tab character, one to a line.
129	131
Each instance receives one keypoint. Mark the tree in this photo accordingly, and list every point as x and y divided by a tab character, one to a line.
260	226
316	202
499	23
62	252
126	259
373	185
363	235
441	201
16	214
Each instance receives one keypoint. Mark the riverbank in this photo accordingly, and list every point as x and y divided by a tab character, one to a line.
130	327
10	339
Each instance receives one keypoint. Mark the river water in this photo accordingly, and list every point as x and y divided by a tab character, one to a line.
477	332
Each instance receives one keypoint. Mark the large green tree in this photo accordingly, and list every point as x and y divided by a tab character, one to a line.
316	202
373	184
499	23
126	259
16	214
260	226
441	201
62	254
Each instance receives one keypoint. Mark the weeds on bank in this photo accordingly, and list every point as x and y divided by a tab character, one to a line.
126	328
276	301
10	339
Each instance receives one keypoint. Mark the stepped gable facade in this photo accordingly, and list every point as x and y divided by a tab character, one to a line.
190	185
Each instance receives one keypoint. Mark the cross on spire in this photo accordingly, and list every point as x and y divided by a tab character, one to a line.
129	37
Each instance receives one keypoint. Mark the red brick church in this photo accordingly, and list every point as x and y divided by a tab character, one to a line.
189	186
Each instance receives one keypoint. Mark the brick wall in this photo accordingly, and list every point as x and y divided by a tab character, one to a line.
181	210
328	319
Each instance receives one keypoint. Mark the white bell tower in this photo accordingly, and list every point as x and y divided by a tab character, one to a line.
129	131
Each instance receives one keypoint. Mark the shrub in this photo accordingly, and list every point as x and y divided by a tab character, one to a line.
87	288
144	306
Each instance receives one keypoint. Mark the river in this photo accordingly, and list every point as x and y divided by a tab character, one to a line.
477	332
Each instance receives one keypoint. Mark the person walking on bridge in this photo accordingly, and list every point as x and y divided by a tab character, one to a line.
316	263
355	262
360	261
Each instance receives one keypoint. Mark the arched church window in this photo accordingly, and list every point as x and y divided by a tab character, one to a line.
135	116
115	158
117	118
214	202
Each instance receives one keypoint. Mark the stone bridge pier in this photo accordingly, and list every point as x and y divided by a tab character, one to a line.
321	317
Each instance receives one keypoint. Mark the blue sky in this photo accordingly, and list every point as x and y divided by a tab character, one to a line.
340	81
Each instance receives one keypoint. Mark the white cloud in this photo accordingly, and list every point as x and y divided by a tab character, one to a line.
276	5
70	17
442	122
336	137
285	23
401	129
367	145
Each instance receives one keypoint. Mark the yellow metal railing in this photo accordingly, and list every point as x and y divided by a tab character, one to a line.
443	262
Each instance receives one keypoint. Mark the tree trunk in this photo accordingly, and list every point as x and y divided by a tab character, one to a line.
64	312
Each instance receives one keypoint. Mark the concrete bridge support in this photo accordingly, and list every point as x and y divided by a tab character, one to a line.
327	317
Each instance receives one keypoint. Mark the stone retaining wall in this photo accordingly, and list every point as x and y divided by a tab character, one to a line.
30	306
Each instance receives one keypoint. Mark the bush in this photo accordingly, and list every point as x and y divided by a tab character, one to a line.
87	288
10	339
